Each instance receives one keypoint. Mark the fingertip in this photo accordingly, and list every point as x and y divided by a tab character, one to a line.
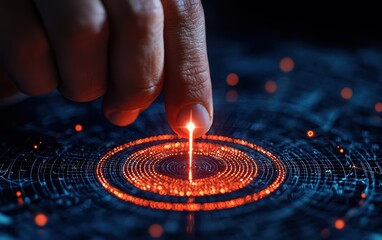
123	118
196	113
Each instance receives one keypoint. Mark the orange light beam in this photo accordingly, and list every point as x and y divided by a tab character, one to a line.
191	127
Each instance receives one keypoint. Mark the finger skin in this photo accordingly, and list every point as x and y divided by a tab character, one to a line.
25	52
78	32
188	91
136	58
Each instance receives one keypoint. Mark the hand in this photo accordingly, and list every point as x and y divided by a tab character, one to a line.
124	50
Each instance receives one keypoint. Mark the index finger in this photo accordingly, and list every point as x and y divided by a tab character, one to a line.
187	76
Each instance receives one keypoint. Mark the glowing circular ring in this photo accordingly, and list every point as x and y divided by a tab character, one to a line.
235	171
191	205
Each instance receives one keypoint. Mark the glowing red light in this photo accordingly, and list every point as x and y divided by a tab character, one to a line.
191	127
155	231
378	107
232	79
346	93
287	64
41	219
78	127
310	133
270	86
141	171
231	96
339	224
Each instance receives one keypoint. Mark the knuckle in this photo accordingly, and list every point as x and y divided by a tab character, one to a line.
85	29
146	15
139	96
184	10
146	94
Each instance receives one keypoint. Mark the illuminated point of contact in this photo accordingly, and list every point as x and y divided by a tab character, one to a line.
191	127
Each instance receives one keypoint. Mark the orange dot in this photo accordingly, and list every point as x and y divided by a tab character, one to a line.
378	107
40	219
232	79
346	93
270	86
155	230
339	224
363	195
35	146
287	64
231	96
78	127
342	150
310	133
18	194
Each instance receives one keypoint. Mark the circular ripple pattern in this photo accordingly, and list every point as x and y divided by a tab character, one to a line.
162	169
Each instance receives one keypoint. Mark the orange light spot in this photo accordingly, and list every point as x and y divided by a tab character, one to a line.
78	128
41	219
310	133
35	146
287	64
342	150
191	127
378	107
232	79
18	194
20	201
231	96
346	93
270	86
155	231
339	224
363	195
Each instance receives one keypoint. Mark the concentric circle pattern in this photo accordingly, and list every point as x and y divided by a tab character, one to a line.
159	166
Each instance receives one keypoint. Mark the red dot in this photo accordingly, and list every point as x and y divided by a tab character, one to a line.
346	93
287	64
363	195
270	86
78	127
155	230
40	219
232	79
310	133
339	224
35	146
378	107
18	194
231	96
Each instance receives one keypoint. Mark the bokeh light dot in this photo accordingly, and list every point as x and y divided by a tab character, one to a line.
232	79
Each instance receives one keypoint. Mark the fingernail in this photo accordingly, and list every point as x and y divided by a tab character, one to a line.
123	118
199	116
